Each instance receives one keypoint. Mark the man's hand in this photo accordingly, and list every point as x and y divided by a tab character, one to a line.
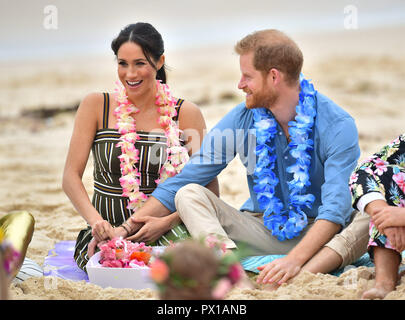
281	270
278	271
153	228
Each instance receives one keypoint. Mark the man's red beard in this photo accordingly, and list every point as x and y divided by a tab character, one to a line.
262	99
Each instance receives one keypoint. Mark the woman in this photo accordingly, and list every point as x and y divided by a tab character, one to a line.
123	175
378	189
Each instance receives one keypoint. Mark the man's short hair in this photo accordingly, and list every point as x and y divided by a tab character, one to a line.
273	49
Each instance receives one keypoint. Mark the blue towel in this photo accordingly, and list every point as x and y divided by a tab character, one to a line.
60	262
251	263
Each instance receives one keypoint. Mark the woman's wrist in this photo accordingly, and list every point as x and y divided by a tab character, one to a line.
125	225
122	231
94	220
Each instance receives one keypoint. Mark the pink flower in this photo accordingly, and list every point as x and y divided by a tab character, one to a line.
112	264
211	241
353	178
380	165
399	179
164	120
170	170
395	141
159	271
235	273
116	253
221	289
10	256
168	111
367	160
369	171
135	263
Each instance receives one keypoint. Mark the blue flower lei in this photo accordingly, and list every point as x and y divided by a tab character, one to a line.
285	223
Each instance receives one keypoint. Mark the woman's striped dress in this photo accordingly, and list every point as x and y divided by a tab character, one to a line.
107	197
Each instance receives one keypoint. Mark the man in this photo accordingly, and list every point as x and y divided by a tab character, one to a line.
270	64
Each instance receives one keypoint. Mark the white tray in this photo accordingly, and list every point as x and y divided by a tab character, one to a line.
132	278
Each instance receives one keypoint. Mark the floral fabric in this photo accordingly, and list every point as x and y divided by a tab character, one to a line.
383	172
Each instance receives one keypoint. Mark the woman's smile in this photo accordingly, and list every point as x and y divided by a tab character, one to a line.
133	84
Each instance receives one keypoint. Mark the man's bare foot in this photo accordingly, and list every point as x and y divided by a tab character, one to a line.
379	291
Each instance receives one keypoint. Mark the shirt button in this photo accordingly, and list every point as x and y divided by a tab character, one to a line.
285	157
280	133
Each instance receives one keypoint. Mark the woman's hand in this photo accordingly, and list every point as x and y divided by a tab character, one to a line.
390	220
118	232
389	217
102	230
396	236
91	247
152	229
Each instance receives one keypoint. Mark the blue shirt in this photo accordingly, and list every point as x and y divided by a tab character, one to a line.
333	159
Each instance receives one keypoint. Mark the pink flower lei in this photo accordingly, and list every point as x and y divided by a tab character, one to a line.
177	155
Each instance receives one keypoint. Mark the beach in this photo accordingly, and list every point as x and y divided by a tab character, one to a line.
362	70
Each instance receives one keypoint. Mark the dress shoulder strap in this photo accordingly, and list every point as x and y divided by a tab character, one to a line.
106	109
178	106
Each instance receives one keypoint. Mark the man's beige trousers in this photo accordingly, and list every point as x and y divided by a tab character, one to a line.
204	213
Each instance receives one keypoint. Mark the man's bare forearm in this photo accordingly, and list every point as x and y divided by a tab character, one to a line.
316	237
152	207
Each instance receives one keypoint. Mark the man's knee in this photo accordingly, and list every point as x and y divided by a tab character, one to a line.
187	192
351	242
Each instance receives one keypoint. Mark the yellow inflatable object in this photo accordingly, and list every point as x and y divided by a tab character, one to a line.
18	228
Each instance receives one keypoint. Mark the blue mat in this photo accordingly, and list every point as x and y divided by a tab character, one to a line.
251	263
60	263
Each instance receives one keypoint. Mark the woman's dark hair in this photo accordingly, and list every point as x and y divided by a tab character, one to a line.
148	38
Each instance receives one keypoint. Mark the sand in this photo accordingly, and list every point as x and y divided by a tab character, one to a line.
362	70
